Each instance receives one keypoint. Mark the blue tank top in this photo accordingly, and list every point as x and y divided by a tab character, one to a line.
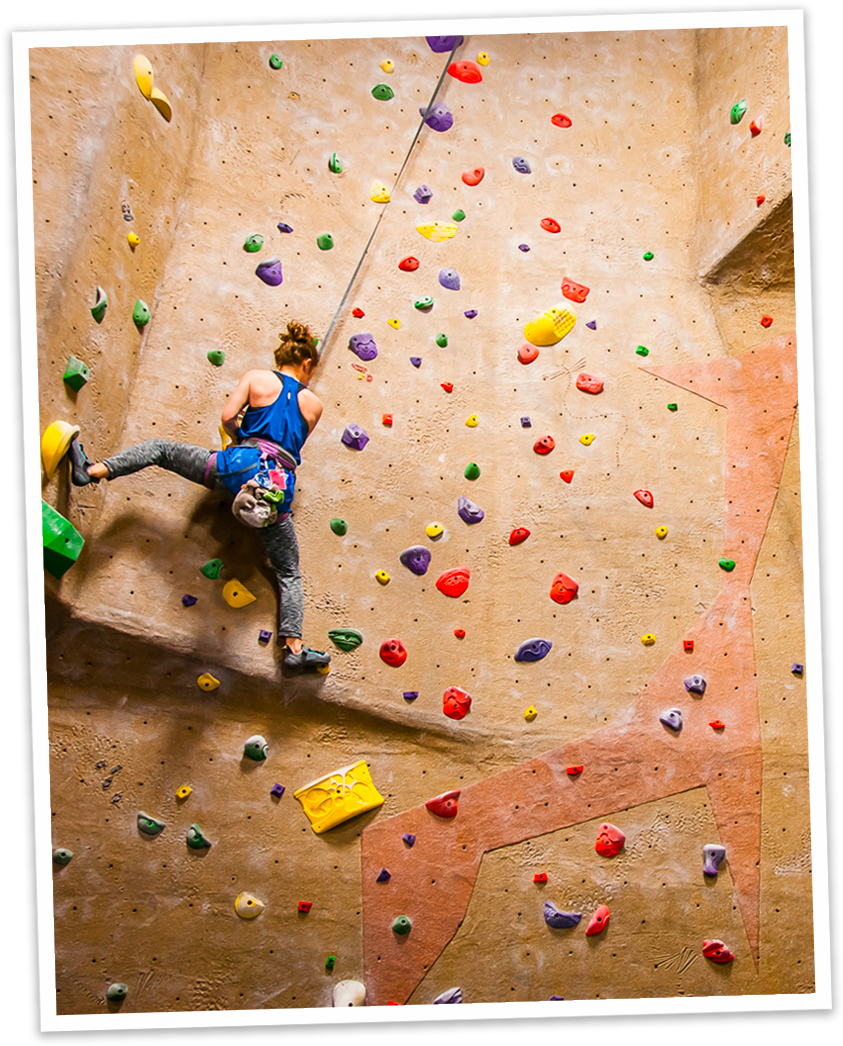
280	421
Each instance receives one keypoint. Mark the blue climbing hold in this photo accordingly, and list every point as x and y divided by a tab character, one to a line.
416	558
521	165
533	649
560	920
416	361
441	44
450	278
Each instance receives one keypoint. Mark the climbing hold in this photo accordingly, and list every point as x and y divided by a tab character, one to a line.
438	117
434	529
560	120
437	231
671	718
521	165
62	541
339	526
526	423
661	532
642	350
483	58
196	838
236	594
207	682
379	192
454	582
530	714
726	564
444	805
466	72
695	685
116	992
574	291
527	353
717	950
423	194
383	92
330	962
737	111
382	577
212	568
648	256
275	61
325	242
687	644
411	695
551	326
388	65
149	825
334	165
339	796
610	840
62	856
648	639
247	906
363	346
140	314
458	215
133	240
587	439
755	127
673	406
797	669
270	272
450	279
544	445
349	993
402	925
277	790
345	638
284	227
589	383
76	374
416	558
760	199
394	323
100	305
450	996
713	854
560	920
441	44
355	437
472	470
533	649
644	496
592	325
425	302
216	356
143	75
183	792
766	321
474	176
264	636
550	225
525	247
393	652
599	921
386	419
717	724
162	104
518	535
455	702
540	877
468	511
567	475
787	138
470	314
256	748
573	771
471	421
408	264
253	243
383	876
563	589
409	839
305	906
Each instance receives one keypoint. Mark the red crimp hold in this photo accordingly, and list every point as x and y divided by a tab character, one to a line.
540	877
387	420
687	644
518	535
567	475
589	383
474	176
550	225
455	703
563	589
717	724
645	497
574	291
560	120
305	906
393	652
408	264
544	445
717	951
755	127
527	353
573	771
454	582
459	633
766	321
358	314
599	921
759	200
444	805
466	72
447	386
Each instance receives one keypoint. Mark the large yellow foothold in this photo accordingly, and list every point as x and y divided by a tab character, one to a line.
395	324
341	795
247	906
587	439
54	444
433	530
437	231
236	594
383	577
133	240
388	65
207	682
225	439
661	532
379	192
183	792
551	326
482	58
162	104
530	714
648	639
471	421
143	75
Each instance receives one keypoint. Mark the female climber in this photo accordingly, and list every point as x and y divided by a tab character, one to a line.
268	417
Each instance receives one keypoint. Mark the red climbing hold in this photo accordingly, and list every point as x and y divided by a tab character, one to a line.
687	644
465	72
540	877
589	383
544	445
518	535
760	199
387	420
574	291
645	497
563	589
393	652
455	703
447	386
358	313
573	771
561	120
717	951
610	840
444	805
454	582
409	264
305	906
599	921
766	321
473	176
527	353
550	225
717	724
755	127
459	633
567	475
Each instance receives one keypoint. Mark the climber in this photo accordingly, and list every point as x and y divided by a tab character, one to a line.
268	426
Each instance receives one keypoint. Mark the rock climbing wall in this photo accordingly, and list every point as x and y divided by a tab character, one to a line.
655	193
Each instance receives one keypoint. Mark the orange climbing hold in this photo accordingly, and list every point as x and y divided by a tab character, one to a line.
518	535
560	120
474	176
454	582
563	589
567	475
456	703
387	420
766	321
466	72
444	805
550	225
574	291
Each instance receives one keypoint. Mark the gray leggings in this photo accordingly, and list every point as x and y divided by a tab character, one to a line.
279	540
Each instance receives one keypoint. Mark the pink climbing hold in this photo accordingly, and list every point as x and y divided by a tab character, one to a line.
474	176
599	921
455	703
393	652
610	840
560	120
563	589
444	805
550	225
527	353
518	535
454	582
466	72
567	475
574	291
717	951
589	383
544	445
645	497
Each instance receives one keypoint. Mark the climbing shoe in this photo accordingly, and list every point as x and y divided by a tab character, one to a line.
306	658
79	464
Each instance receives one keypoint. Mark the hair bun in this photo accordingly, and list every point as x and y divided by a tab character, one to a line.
297	331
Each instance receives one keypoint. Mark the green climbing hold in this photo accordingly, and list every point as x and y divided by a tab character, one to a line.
472	471
402	925
673	406
345	638
383	92
642	350
216	356
458	216
149	825
116	992
101	304
339	526
330	962
62	541
253	243
424	303
275	61
212	568
325	242
738	109
76	374
441	340
196	838
787	138
256	748
648	256
140	314
727	564
62	856
335	164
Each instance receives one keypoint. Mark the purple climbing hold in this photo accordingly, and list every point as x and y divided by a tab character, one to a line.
560	920
270	272
410	695
277	790
713	854
264	636
557	998
383	876
409	839
284	227
526	423
416	361
187	600
592	325
468	511
423	194
363	345
523	247
355	437
470	314
438	118
441	44
521	165
672	718
695	685
450	278
416	558
533	649
797	669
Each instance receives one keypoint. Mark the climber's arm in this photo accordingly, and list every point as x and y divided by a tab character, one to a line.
311	408
237	401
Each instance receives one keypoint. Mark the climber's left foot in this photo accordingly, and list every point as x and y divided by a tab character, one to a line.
79	465
306	658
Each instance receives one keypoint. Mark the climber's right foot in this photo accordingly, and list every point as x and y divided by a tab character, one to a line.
79	464
306	658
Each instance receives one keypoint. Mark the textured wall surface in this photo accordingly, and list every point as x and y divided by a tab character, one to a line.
650	163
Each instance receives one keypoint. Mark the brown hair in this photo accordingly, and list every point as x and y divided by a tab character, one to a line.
296	346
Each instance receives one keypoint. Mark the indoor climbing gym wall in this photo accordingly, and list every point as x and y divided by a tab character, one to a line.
549	522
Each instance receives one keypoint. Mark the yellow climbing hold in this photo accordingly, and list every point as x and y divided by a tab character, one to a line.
648	639
236	594
162	104
383	577
395	324
345	793
225	439
661	532
133	240
207	682
54	444
379	192
247	906
437	231
433	530
143	75
388	65
183	792
587	439
530	714
482	58
471	421
323	670
551	326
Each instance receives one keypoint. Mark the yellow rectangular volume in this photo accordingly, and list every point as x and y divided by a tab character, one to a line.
341	795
